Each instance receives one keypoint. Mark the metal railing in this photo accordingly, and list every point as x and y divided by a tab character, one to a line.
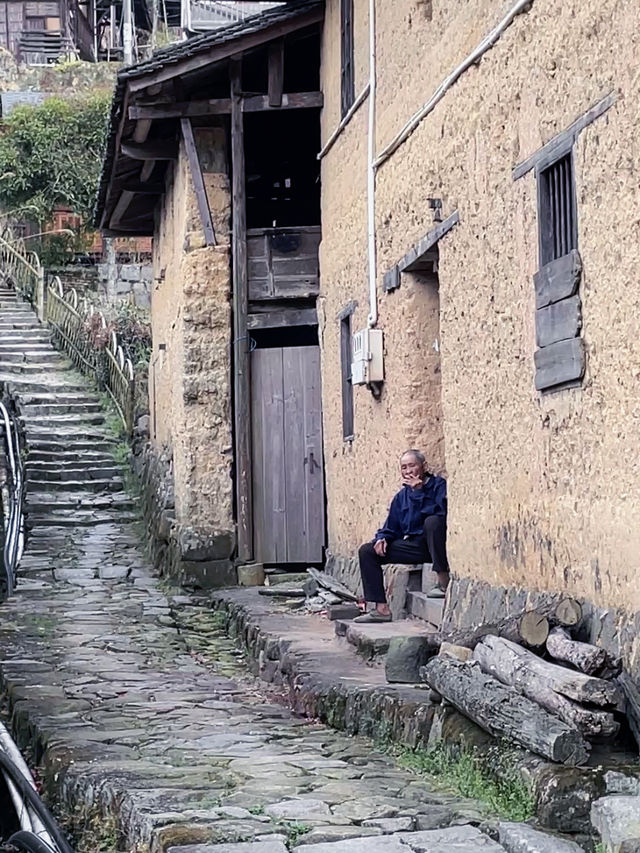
22	269
12	492
71	321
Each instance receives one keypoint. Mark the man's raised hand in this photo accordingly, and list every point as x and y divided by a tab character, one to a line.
380	547
413	481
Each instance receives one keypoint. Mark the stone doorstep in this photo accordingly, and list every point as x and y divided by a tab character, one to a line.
428	609
372	641
325	679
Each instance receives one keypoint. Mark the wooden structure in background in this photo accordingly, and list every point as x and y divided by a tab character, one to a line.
256	81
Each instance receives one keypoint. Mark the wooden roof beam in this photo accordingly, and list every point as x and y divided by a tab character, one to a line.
222	106
149	150
218	52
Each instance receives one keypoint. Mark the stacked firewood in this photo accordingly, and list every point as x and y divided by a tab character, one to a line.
527	679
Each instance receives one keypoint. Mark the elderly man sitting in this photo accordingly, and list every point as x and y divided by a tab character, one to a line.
415	532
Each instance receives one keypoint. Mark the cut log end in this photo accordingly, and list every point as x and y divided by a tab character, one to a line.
534	628
568	612
583	656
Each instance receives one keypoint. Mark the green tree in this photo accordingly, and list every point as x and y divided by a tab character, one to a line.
50	155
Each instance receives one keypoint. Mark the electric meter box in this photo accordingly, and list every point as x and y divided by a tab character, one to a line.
367	365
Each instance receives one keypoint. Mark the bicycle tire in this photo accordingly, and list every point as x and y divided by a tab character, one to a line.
33	799
27	842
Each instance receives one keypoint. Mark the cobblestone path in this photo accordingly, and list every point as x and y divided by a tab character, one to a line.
108	681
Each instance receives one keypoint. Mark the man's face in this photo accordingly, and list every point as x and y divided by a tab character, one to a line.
410	467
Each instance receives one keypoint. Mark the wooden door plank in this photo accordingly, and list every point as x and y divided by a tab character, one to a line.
294	438
198	182
269	456
242	379
558	321
314	469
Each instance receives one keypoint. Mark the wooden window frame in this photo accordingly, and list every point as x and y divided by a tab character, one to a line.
560	354
557	205
345	316
347	74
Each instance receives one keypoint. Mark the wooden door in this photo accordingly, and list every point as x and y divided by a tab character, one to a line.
288	473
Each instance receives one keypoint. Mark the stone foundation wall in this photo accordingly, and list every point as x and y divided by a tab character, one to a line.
182	552
472	602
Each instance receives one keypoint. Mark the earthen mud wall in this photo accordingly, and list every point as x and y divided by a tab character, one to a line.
544	489
190	365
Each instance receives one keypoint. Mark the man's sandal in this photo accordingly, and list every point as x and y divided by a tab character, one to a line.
372	617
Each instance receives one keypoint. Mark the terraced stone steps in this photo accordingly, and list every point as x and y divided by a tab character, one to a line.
72	477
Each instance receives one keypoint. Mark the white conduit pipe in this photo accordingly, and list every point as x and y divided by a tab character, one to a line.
371	172
473	57
29	820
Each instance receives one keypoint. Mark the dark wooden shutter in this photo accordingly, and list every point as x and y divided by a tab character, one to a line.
347	387
347	71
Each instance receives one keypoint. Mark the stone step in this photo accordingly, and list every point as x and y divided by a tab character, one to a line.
34	357
50	398
48	410
31	384
78	418
38	434
79	485
39	502
30	369
26	348
372	641
25	334
57	472
81	518
58	459
428	609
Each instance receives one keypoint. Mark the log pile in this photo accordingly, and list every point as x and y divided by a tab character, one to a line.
528	679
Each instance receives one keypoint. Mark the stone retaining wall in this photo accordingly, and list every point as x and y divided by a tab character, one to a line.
473	602
177	550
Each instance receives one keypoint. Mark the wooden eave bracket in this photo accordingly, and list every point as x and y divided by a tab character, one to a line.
417	256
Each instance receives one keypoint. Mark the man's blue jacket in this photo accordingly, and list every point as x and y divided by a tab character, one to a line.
410	507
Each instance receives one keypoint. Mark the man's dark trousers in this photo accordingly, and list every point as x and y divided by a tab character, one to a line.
428	548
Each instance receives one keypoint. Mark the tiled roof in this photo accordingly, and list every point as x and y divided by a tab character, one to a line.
177	53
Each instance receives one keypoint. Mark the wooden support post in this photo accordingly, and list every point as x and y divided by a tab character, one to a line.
276	72
241	384
198	182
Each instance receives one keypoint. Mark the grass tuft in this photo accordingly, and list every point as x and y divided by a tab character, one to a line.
505	795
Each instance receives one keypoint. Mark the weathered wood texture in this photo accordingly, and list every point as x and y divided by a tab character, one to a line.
558	279
283	263
559	363
499	658
632	700
276	72
559	321
149	150
567	137
242	377
222	106
283	319
503	712
198	182
288	476
530	629
585	657
566	682
326	581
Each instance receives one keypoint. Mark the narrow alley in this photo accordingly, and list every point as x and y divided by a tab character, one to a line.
149	742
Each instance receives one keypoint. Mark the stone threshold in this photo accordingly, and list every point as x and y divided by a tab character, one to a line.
324	678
